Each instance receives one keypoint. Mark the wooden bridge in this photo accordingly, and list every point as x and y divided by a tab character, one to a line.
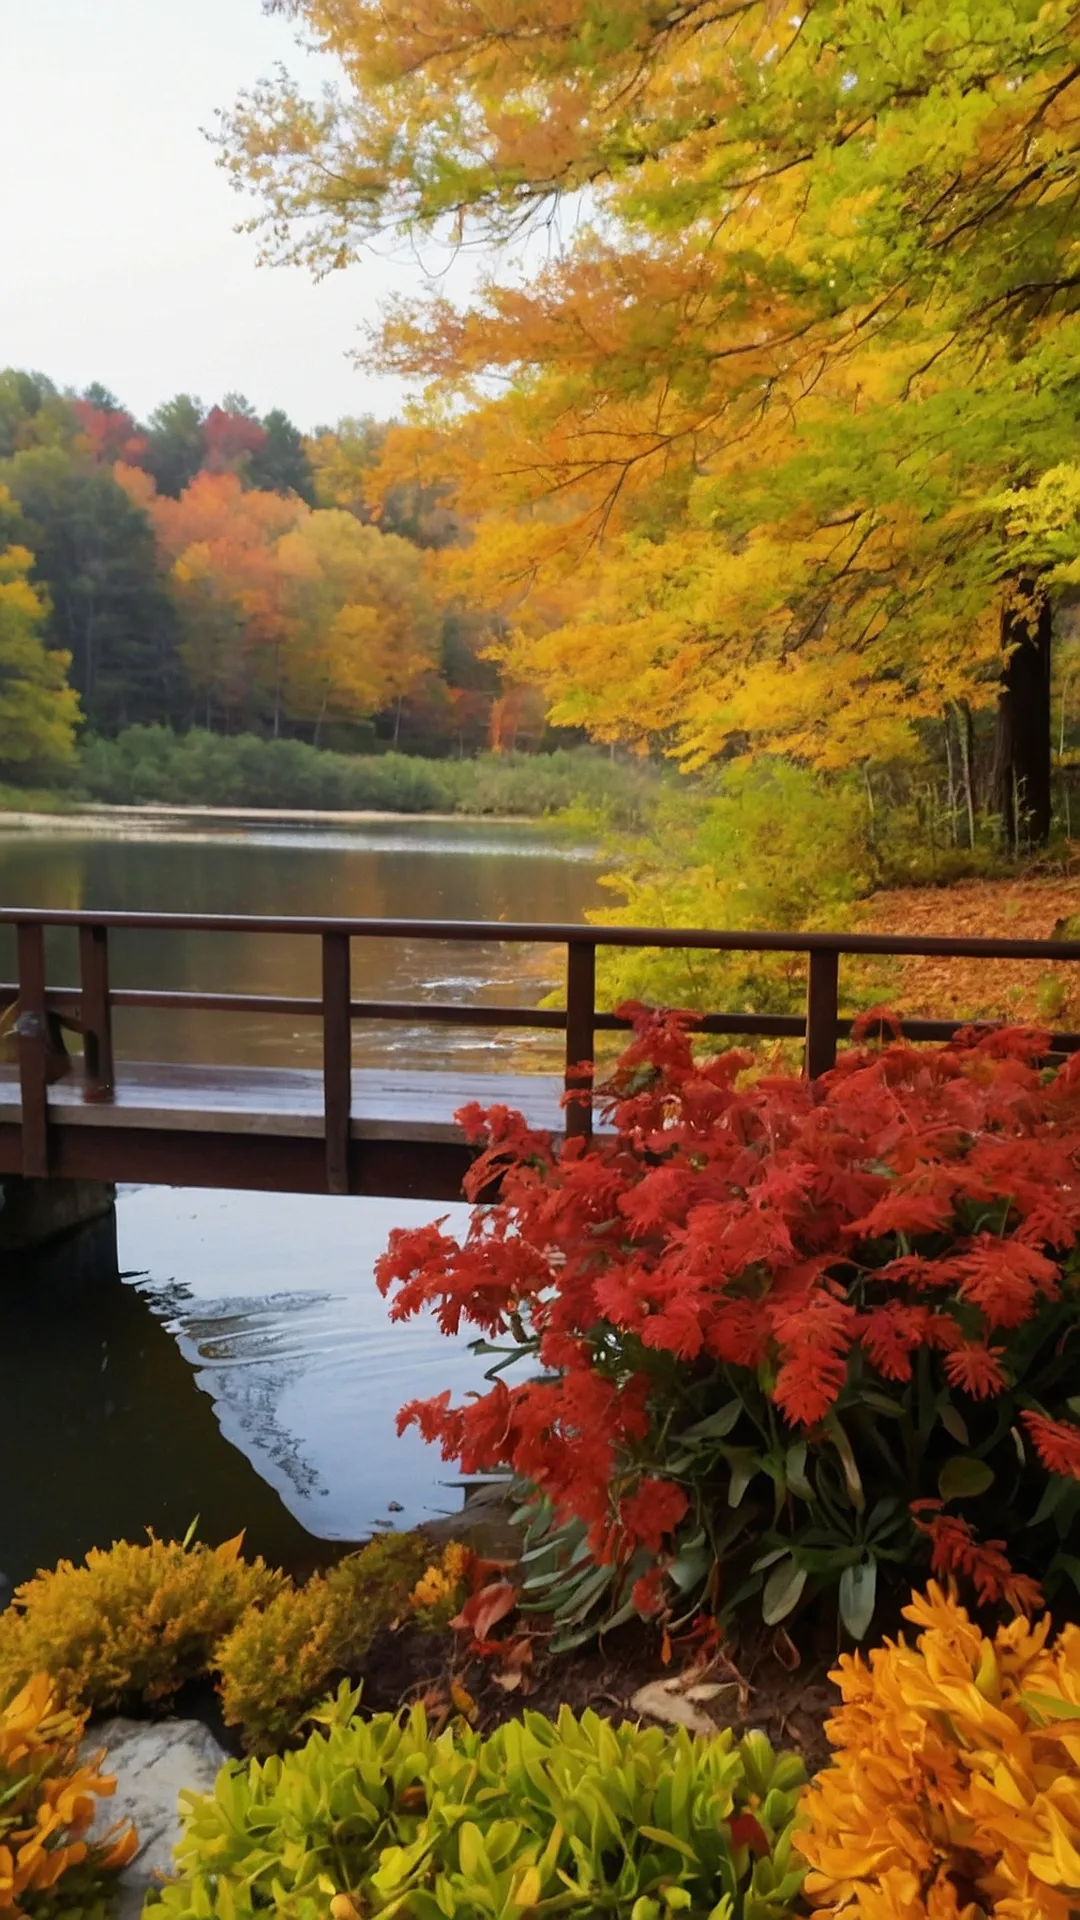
338	1129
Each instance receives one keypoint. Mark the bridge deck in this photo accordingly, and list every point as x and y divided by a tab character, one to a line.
265	1127
386	1105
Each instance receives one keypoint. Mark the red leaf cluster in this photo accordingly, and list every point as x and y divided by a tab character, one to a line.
909	1199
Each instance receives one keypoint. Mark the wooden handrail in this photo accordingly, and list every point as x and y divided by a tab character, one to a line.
89	1008
561	934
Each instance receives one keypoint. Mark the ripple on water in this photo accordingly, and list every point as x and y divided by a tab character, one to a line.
273	1302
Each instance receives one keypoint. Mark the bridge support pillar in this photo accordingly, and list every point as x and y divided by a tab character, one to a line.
70	1224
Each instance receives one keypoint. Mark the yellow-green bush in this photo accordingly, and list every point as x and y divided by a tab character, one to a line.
570	1817
278	1660
131	1621
47	1803
955	1790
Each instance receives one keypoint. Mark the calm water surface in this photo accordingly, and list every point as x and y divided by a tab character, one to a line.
246	1370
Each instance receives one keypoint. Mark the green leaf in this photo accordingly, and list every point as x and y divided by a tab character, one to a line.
858	1592
963	1477
717	1426
795	1471
1066	1563
954	1424
743	1468
852	1476
665	1839
782	1591
690	1567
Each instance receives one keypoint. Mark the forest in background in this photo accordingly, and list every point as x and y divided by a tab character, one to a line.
215	570
752	455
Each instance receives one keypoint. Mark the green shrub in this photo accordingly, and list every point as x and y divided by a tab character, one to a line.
577	1817
133	1621
153	764
277	1661
774	847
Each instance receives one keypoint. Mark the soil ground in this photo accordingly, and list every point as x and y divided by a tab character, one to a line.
405	1664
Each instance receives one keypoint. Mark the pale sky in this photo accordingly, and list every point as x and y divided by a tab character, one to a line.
119	258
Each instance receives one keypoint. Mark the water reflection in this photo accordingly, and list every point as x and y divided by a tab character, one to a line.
271	1300
105	1432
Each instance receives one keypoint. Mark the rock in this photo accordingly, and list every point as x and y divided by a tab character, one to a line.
152	1761
482	1524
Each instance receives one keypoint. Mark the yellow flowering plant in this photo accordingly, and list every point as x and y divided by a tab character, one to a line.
440	1592
47	1803
132	1622
278	1661
955	1790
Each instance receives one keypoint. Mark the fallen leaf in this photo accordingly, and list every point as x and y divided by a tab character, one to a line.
662	1701
462	1699
485	1609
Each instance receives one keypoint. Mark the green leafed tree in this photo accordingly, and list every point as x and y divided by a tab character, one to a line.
174	444
94	553
33	413
281	464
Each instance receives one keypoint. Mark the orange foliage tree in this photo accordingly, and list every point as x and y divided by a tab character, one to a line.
786	425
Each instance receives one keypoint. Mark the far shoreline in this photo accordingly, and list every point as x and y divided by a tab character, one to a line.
157	813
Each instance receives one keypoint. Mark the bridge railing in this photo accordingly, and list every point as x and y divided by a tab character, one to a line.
88	1007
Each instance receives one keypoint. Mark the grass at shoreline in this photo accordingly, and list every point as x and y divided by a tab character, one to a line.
149	766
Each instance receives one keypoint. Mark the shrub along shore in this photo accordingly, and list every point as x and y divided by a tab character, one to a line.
152	766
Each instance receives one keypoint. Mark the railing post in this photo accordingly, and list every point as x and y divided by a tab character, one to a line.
337	1058
96	1014
580	1037
822	1010
32	1029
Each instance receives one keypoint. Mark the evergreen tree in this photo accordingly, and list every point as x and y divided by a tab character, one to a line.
281	465
174	444
95	554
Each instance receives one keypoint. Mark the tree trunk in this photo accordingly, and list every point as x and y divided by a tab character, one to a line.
1021	773
965	730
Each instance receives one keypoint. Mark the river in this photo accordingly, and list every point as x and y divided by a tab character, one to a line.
243	1369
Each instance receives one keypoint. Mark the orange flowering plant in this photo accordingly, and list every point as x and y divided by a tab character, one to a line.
786	1332
48	1796
954	1791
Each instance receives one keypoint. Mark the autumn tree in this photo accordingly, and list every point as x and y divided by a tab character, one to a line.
38	710
785	432
106	430
218	545
365	466
364	630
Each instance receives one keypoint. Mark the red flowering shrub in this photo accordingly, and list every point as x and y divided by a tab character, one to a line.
787	1331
